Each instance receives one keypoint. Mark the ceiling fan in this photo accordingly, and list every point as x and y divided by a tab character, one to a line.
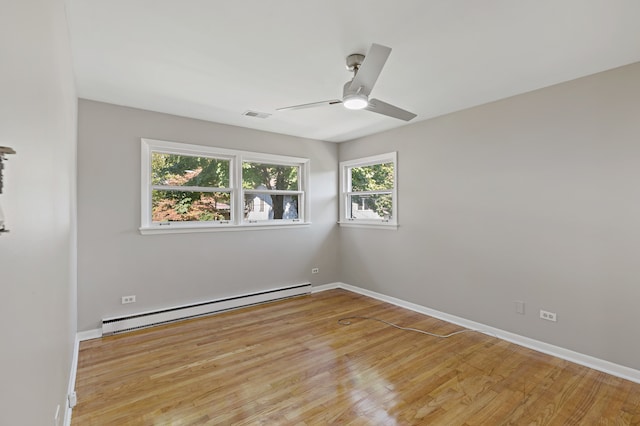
355	94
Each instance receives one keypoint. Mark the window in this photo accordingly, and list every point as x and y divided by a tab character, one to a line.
189	188
368	195
186	188
271	191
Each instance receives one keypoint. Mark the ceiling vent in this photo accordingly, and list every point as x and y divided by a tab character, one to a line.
256	114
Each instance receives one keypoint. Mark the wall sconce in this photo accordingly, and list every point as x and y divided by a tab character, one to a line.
4	150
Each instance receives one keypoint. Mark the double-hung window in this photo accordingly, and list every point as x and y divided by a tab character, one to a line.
271	191
189	188
368	191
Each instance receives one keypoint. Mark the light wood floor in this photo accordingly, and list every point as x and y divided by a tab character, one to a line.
290	362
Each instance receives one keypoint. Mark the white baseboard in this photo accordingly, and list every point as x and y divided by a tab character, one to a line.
96	333
80	337
557	351
324	287
72	380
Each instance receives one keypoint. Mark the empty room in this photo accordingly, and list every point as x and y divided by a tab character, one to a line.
320	212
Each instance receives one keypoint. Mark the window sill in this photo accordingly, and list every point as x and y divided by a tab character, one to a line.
218	228
371	225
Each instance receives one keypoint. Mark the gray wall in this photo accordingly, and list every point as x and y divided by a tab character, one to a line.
114	260
532	198
37	258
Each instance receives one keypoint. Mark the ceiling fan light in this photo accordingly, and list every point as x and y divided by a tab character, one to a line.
355	101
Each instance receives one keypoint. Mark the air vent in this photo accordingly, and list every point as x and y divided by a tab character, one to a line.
256	114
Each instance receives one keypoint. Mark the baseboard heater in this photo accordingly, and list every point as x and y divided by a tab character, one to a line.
163	316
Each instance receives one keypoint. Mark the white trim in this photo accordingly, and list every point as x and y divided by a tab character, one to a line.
68	411
345	191
190	188
236	158
273	191
557	351
96	333
371	225
246	227
324	287
71	387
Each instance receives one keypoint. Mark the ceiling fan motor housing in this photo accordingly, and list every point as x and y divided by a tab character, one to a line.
348	90
352	98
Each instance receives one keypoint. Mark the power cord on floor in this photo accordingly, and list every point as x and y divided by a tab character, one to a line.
345	321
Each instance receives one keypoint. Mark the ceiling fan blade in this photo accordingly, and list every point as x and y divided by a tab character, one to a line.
376	105
370	69
311	105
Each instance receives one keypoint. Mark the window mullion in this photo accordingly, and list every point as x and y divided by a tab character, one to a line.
271	191
373	192
188	188
238	196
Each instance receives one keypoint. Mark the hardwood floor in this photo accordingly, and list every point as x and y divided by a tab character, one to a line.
290	362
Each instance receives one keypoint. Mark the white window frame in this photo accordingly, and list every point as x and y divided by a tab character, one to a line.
236	159
345	192
276	161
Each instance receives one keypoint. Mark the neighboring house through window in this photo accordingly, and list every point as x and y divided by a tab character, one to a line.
190	188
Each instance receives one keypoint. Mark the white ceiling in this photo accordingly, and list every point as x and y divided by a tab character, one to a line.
215	59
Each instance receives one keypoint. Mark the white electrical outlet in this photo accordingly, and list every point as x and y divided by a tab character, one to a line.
549	316
128	299
519	307
315	270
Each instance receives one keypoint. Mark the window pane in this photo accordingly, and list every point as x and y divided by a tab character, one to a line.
178	206
372	178
370	206
185	170
270	206
269	176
